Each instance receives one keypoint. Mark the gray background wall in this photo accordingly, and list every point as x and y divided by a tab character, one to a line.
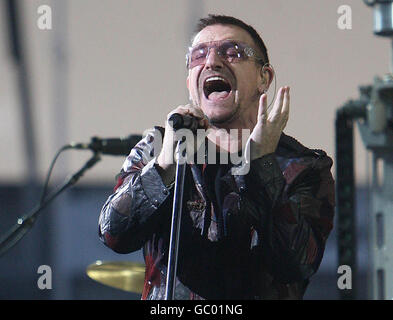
112	68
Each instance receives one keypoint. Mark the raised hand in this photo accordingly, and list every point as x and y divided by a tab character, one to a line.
266	133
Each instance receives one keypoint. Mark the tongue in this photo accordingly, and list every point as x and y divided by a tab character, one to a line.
218	95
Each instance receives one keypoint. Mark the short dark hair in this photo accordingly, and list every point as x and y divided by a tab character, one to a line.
213	19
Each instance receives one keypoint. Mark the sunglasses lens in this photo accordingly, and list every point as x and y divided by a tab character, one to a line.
232	51
228	50
198	55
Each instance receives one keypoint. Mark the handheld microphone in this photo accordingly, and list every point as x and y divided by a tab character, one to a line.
179	121
110	146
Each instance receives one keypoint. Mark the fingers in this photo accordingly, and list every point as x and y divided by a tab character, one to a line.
188	110
278	103
191	111
197	113
285	107
280	108
281	105
262	111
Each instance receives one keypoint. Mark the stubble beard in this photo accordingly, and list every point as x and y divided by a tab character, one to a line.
219	121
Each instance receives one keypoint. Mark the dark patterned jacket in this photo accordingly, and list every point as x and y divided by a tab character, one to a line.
256	236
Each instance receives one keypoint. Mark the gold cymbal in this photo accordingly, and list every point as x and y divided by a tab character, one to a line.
127	276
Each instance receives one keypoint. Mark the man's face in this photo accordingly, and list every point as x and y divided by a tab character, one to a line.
237	104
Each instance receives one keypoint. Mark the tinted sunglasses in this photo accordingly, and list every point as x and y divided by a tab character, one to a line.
229	50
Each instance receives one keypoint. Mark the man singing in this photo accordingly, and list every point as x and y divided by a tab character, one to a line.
259	234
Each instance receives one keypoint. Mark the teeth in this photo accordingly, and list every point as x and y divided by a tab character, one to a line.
215	78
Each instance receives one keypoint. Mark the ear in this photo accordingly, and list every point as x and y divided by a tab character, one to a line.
267	75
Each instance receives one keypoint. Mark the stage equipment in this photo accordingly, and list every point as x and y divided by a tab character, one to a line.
181	164
113	146
127	276
373	114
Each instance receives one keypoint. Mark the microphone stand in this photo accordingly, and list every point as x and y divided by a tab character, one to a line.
25	223
176	221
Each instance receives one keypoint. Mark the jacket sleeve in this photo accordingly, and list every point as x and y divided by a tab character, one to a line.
292	210
132	212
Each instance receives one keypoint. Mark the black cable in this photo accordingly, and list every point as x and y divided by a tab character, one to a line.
26	222
45	187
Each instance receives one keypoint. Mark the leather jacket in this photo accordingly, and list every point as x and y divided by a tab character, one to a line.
255	236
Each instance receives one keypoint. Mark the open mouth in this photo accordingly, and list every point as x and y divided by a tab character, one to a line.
216	88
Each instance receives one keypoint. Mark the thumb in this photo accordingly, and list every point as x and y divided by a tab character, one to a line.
262	111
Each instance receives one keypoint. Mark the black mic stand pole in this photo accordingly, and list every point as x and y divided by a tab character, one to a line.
25	223
176	221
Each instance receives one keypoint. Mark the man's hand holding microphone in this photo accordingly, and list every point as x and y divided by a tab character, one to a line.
183	117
